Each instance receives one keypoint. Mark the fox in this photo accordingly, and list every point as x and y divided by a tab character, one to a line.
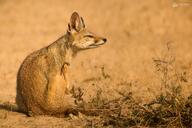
42	80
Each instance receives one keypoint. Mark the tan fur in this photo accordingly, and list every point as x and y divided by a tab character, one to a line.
42	80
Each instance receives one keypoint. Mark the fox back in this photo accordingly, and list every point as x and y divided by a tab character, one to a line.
42	80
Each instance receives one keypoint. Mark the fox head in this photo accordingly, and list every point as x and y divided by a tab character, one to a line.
80	37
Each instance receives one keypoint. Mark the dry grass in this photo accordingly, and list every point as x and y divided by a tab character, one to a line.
168	109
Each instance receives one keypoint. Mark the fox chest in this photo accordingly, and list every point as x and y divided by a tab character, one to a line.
58	83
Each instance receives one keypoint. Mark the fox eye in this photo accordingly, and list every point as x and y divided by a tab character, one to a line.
88	36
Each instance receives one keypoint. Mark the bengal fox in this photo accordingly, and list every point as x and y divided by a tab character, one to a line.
42	80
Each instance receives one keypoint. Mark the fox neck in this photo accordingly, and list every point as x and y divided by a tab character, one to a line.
63	52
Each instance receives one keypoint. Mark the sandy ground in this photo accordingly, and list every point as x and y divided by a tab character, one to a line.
137	31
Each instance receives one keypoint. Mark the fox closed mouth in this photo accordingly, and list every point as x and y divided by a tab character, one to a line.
98	43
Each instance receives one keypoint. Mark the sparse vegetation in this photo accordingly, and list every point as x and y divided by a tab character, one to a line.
168	109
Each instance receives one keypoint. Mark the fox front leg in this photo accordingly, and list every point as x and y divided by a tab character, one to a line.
65	74
57	84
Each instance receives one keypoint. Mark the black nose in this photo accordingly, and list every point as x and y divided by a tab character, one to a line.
104	39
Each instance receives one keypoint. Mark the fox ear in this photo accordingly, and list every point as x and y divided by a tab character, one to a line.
76	22
82	22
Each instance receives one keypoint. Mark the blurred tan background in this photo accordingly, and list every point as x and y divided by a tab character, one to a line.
137	31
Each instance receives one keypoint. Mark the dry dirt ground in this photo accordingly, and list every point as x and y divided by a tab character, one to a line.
137	31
